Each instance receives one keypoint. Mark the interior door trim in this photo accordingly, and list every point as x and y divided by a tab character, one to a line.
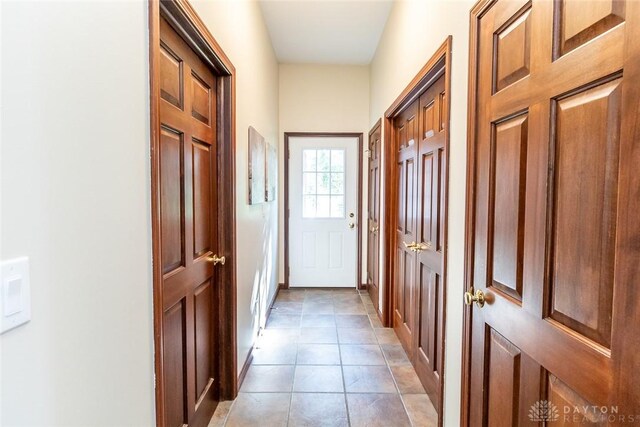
183	18
436	66
288	135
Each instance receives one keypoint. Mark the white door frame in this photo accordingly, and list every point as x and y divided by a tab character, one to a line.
359	136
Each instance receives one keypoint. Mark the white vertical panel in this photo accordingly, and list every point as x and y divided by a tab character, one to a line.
336	243
309	249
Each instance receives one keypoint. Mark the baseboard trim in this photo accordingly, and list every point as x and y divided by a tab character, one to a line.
362	287
273	299
245	368
249	359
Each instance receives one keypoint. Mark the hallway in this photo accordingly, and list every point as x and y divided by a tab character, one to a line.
324	359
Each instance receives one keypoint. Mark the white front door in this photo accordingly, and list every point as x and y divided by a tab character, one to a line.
323	217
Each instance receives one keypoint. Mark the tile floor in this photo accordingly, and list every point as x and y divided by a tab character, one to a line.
324	360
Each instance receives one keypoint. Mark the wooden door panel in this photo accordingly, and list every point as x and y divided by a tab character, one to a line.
512	48
175	369
514	379
172	203
584	221
203	202
509	160
581	21
201	99
428	211
171	83
203	324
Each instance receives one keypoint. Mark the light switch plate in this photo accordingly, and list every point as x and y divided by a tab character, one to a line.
15	295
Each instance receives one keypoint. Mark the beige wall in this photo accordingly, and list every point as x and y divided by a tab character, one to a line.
415	29
323	98
239	29
76	200
75	187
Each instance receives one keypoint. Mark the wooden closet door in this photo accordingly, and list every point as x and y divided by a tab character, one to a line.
406	129
555	193
373	241
430	238
188	236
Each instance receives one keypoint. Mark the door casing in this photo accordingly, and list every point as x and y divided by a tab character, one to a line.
192	29
288	135
438	65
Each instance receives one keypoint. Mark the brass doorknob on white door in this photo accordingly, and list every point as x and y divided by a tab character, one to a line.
217	260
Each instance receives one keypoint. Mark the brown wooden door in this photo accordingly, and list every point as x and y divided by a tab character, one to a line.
430	238
406	130
188	223
373	241
553	239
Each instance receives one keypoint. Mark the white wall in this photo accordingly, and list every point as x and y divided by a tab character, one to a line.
238	27
415	29
75	196
324	98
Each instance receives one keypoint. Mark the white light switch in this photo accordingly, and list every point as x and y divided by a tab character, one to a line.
15	294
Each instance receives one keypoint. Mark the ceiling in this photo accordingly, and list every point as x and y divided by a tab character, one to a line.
325	31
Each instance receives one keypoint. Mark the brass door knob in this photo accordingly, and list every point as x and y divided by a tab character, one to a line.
478	297
422	247
411	246
217	260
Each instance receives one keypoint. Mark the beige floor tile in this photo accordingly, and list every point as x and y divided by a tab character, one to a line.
275	336
318	410
259	409
318	321
386	336
318	379
318	336
377	410
318	354
356	336
395	355
290	295
375	321
277	320
370	309
268	378
317	307
348	308
286	307
420	410
352	321
407	379
368	379
361	354
275	354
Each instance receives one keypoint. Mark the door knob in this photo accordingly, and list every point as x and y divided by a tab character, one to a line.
419	247
217	260
352	225
411	246
478	297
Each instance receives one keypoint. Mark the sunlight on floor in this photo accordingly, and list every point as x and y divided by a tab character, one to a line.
325	360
